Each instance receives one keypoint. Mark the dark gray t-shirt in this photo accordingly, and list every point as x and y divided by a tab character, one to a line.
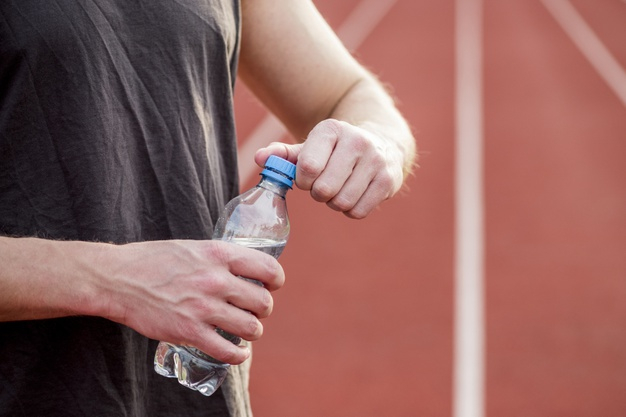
116	125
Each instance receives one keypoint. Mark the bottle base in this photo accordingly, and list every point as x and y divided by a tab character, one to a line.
192	371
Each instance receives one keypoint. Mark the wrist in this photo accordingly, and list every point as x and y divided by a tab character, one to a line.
91	271
398	144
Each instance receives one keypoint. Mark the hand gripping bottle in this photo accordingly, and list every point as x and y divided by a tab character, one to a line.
256	219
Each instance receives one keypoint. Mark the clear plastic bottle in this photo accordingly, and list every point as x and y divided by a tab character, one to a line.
256	219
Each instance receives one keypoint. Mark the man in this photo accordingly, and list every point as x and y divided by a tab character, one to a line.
117	152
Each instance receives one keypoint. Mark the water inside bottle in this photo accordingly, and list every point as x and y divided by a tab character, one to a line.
270	246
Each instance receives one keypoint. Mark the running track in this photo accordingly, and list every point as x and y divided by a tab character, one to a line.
496	286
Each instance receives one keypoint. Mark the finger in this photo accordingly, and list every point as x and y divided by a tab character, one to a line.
353	189
377	192
251	297
213	344
286	151
342	168
316	153
249	263
238	322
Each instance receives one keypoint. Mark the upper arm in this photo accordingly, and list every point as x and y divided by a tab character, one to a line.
293	62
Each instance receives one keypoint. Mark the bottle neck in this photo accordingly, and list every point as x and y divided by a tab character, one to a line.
273	185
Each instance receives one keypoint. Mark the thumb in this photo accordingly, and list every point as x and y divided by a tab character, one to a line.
286	151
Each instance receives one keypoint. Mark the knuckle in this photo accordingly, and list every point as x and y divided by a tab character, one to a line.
333	127
385	182
341	203
254	329
322	191
217	250
266	305
378	163
190	333
216	284
207	310
271	266
309	167
279	278
359	145
227	352
271	275
357	213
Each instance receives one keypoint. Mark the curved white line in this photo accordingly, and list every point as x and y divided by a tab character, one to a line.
589	45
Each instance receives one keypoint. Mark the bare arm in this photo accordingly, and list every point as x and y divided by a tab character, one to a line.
177	291
357	147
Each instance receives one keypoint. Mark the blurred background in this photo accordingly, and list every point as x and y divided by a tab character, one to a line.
365	325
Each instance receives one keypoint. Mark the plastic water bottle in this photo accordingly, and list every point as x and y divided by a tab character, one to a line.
256	219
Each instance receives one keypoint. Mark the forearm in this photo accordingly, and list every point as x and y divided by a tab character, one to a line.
44	279
178	291
309	76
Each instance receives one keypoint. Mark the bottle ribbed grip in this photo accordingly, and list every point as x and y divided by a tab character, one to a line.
280	169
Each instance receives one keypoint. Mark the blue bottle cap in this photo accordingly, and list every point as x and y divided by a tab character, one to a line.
280	169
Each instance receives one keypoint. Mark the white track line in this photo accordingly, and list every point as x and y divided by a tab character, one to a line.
590	45
469	317
362	21
353	31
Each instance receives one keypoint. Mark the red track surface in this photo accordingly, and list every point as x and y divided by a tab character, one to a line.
364	325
